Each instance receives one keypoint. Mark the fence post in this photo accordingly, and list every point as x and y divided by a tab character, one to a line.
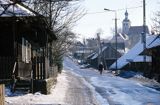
2	94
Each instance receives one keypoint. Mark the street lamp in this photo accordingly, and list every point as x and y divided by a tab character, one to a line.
115	30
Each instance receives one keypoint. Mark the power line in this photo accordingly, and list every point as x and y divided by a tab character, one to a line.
115	10
94	12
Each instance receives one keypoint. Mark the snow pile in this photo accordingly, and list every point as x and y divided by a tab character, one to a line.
138	76
129	74
57	95
152	83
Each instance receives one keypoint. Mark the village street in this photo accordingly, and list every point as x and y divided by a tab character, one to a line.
77	92
77	86
69	90
114	90
51	50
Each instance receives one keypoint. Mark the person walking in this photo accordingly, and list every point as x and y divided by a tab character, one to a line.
100	68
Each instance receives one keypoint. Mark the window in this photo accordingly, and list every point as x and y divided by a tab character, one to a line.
26	51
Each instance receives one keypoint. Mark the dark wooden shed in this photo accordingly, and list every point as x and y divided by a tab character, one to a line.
155	64
24	44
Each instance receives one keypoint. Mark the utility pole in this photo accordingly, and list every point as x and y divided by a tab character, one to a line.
144	28
101	57
50	14
116	36
115	33
99	49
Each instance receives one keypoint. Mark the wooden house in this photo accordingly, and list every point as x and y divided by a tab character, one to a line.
107	55
24	44
154	52
134	59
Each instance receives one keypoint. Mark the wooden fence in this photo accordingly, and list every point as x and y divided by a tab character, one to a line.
2	94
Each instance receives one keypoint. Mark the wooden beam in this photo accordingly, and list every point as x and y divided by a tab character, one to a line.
2	94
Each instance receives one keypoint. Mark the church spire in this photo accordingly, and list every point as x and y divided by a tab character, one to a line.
126	23
126	15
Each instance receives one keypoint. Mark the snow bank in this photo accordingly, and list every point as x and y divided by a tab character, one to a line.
57	95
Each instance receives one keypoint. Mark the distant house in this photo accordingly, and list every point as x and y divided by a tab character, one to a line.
80	51
24	43
77	50
92	43
121	38
134	59
107	55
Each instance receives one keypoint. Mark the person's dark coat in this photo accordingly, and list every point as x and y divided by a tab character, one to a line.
100	68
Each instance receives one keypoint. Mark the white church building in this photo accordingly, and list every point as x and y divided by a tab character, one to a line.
134	33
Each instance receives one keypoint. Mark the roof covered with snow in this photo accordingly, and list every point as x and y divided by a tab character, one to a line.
133	54
99	52
120	38
8	8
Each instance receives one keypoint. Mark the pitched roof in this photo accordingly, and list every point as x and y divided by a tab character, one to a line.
9	8
120	38
133	54
99	52
136	30
80	44
123	36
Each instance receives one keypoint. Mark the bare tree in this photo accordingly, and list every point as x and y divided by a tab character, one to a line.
61	46
156	23
61	16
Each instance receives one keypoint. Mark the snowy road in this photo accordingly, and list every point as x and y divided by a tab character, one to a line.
77	86
113	90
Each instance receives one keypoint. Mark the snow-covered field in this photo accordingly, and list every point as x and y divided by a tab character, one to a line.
107	89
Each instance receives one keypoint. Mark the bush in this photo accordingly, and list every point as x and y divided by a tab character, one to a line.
59	63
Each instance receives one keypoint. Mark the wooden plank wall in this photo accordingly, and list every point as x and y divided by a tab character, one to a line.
2	94
6	67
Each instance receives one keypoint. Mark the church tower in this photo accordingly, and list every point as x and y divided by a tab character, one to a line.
126	24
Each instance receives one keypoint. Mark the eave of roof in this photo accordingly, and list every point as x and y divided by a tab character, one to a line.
135	51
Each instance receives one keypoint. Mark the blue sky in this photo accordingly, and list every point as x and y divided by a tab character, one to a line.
93	21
